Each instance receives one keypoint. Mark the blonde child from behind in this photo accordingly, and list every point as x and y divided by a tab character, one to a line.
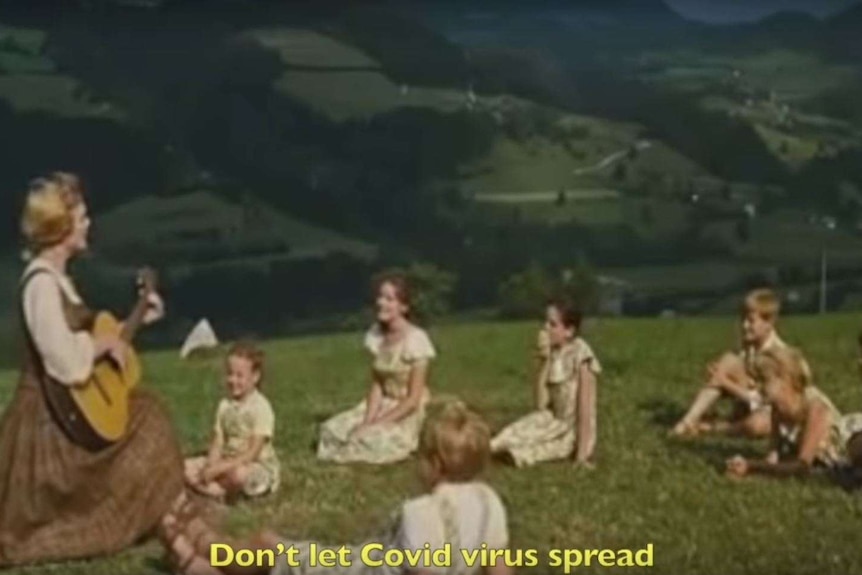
457	508
241	458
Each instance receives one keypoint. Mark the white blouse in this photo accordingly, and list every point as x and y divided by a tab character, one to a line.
417	344
478	512
66	355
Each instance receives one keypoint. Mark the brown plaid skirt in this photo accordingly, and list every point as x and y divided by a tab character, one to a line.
59	501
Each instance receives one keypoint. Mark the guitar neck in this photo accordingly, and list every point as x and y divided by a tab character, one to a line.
134	320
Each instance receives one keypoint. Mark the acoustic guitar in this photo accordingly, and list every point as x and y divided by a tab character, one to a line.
95	414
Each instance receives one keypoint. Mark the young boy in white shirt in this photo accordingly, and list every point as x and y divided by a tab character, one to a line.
457	509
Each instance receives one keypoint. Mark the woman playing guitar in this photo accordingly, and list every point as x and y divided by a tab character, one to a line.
59	499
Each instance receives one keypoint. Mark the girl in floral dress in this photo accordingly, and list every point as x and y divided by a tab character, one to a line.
384	427
564	423
808	430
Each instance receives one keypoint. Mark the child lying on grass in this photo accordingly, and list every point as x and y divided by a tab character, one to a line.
808	431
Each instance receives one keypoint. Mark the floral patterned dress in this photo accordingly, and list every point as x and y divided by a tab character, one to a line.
237	423
833	450
386	443
550	433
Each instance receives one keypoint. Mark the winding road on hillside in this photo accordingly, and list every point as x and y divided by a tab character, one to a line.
612	158
577	194
547	196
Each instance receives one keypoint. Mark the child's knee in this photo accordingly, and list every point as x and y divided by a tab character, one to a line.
758	424
192	469
729	362
728	367
235	480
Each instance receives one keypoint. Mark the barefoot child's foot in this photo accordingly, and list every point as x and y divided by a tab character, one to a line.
714	427
684	429
212	491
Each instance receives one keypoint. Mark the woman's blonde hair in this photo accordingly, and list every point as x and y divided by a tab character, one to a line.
784	363
458	439
47	216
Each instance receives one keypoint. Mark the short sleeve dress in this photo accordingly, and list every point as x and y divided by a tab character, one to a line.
832	452
550	433
237	422
382	444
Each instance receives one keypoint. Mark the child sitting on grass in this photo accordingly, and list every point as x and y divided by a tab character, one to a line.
730	375
809	431
456	508
241	458
564	422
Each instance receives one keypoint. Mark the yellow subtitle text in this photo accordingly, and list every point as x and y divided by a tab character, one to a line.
380	554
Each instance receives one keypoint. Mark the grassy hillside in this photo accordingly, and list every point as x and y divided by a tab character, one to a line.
340	80
647	489
344	82
31	82
778	92
371	134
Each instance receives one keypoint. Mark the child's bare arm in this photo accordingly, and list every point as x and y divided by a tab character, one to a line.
216	445
252	451
728	367
249	455
736	389
415	391
213	453
540	387
586	412
815	432
374	400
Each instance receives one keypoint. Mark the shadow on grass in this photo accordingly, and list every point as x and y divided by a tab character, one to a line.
157	565
665	413
320	417
717	450
848	479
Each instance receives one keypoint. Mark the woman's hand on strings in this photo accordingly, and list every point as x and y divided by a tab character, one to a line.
113	348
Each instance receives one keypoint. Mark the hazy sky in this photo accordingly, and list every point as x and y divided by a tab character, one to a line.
741	10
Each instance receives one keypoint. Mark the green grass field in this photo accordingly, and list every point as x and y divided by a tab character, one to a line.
540	165
647	489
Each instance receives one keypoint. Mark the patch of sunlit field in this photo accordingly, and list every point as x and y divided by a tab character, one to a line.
646	488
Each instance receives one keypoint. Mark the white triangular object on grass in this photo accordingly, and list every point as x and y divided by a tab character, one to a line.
202	336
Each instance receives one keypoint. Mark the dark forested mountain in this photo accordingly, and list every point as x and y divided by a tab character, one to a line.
482	137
